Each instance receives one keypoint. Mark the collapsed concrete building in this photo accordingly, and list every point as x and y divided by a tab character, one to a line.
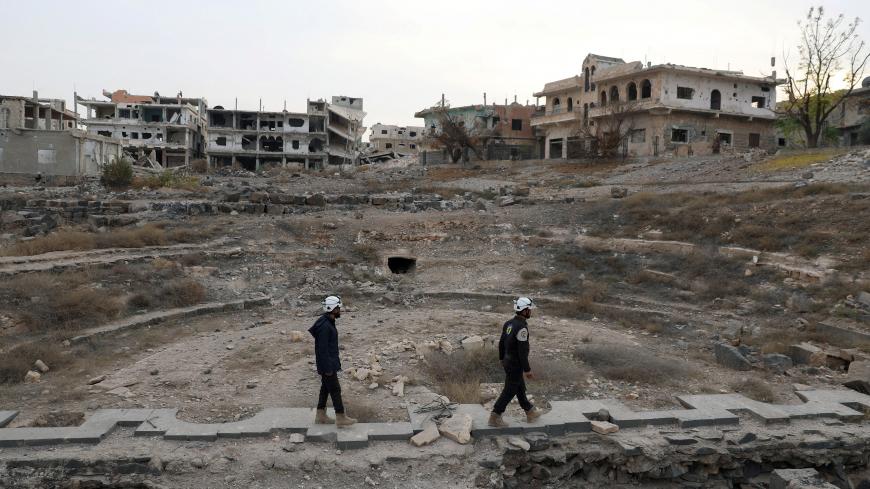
39	136
665	109
505	131
168	131
399	139
324	133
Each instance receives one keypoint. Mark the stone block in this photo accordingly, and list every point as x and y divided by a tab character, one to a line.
858	377
6	417
777	362
429	434
675	439
604	427
729	356
797	479
318	200
457	428
805	354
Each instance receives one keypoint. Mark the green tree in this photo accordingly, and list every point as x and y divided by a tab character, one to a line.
829	47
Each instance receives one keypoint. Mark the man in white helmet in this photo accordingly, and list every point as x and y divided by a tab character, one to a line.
328	363
513	351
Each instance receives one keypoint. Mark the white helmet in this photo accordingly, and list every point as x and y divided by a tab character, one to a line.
523	303
331	303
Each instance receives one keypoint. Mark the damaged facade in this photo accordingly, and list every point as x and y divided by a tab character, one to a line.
168	131
324	133
253	139
667	110
399	139
854	112
40	137
506	130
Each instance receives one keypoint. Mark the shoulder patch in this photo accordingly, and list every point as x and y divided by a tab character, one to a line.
508	330
523	334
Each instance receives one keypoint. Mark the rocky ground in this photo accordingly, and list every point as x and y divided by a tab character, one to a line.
639	320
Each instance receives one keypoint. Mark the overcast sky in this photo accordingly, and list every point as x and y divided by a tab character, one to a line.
398	55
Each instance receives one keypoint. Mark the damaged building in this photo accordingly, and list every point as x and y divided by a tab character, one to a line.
40	137
399	139
663	109
505	131
324	133
256	139
167	131
852	116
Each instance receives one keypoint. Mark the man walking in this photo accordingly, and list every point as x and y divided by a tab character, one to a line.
513	351
328	364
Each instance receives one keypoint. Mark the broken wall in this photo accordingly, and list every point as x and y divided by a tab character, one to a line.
54	153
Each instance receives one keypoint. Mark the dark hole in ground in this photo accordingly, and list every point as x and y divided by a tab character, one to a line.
401	264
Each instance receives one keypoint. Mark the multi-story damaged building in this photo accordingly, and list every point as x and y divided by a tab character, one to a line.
400	139
345	129
853	113
18	112
324	133
253	139
505	130
662	109
168	130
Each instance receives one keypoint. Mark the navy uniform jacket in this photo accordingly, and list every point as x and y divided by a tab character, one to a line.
325	345
513	347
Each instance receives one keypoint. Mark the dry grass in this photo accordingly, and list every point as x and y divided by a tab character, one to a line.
798	160
66	240
175	293
529	275
756	389
15	363
167	179
631	364
366	253
458	375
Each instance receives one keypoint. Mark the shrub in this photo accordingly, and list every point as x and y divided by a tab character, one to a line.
529	275
148	235
755	389
15	363
366	252
631	364
458	375
175	293
118	173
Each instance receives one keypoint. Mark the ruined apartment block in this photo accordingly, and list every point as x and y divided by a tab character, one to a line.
254	139
39	136
169	131
345	129
670	109
852	114
399	139
508	131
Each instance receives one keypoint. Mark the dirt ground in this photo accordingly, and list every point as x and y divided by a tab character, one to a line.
655	316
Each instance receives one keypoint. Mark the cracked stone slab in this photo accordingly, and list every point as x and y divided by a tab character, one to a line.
849	398
564	417
6	417
735	403
165	422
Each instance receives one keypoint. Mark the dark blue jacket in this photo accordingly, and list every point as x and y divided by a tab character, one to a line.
325	345
513	346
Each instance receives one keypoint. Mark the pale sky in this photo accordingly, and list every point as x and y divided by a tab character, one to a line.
399	56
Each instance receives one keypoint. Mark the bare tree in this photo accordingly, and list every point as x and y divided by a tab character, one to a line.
611	130
829	47
456	137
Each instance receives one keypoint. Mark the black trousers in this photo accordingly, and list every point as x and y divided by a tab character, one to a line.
514	385
329	387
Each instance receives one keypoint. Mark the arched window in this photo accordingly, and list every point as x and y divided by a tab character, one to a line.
614	94
603	98
645	89
715	100
570	105
585	113
586	79
557	105
632	91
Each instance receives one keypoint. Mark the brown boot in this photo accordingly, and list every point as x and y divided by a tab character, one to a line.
532	415
322	418
341	420
496	421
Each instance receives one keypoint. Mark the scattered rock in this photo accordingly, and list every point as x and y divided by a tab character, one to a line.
373	385
97	380
154	371
32	377
429	434
680	440
806	354
296	336
859	376
729	356
297	438
777	362
604	427
457	428
472	343
537	441
519	443
603	415
618	192
361	374
41	366
399	388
